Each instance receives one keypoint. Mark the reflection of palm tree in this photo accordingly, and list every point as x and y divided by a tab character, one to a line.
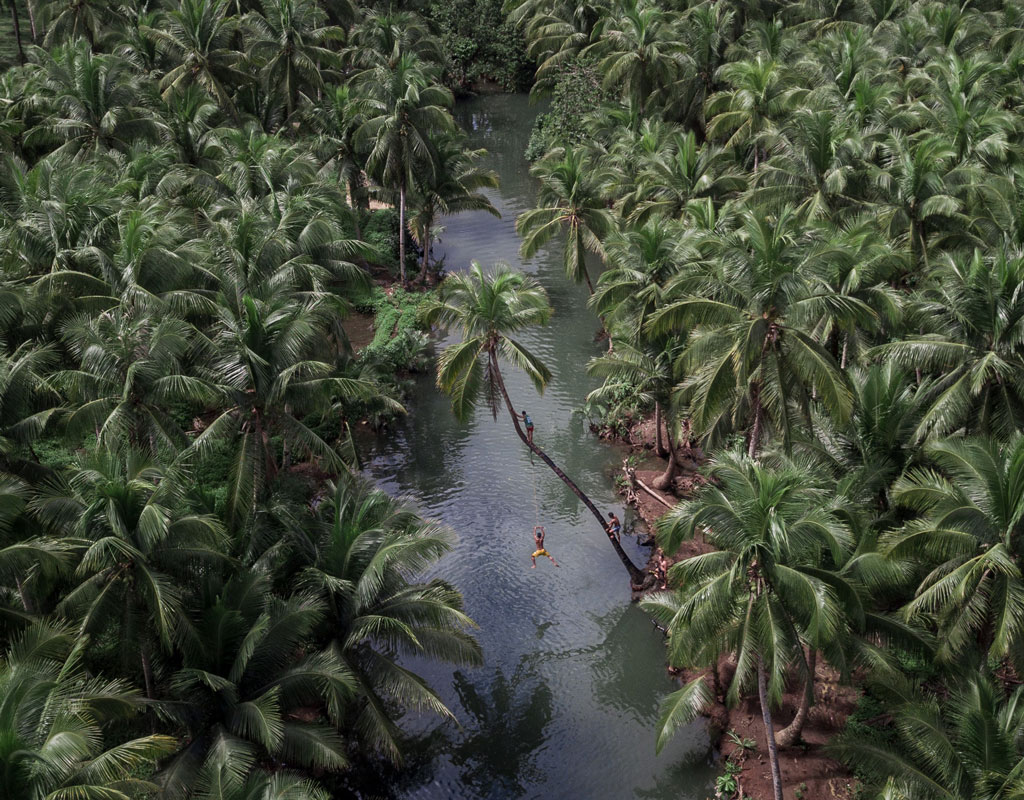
506	722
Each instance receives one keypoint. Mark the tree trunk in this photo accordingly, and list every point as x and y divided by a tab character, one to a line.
17	30
401	232
769	730
846	344
26	601
755	431
790	735
659	439
31	20
147	671
636	575
664	481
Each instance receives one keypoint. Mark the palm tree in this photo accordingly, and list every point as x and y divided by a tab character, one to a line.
138	541
761	595
70	19
94	104
970	318
291	38
27	398
488	308
453	188
750	358
405	113
748	112
569	199
639	50
964	746
198	37
54	719
129	370
968	535
363	560
251	690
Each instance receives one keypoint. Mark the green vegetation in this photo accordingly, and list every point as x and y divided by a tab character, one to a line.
199	596
809	222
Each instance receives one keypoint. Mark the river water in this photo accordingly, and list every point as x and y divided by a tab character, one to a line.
566	703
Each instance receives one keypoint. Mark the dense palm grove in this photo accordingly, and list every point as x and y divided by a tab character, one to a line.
199	597
809	223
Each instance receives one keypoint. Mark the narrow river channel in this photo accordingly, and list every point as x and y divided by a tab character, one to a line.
566	703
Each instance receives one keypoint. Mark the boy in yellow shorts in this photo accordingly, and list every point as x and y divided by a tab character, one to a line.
538	539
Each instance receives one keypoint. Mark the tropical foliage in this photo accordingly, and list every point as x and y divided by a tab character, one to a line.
199	596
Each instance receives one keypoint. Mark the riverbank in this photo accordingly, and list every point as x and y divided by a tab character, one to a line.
807	772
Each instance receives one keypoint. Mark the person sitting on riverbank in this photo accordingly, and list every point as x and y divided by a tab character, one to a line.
614	526
538	539
529	427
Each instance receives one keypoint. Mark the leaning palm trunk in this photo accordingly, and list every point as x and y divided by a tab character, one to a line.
769	730
635	574
790	735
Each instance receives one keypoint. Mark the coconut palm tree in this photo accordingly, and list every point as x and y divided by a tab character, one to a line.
970	316
964	746
568	200
56	720
404	114
968	534
128	371
363	561
252	690
198	37
93	103
761	595
138	542
750	359
292	41
453	188
488	308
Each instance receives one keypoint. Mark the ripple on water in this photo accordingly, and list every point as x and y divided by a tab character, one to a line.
566	702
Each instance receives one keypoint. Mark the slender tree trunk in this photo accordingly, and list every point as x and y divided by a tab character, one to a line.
636	575
147	671
26	601
31	20
846	344
755	431
17	30
790	735
659	438
401	232
769	730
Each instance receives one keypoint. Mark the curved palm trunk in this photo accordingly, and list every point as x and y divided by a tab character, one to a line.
32	20
635	574
664	481
790	735
769	730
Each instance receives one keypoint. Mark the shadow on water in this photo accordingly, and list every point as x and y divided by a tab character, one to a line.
566	703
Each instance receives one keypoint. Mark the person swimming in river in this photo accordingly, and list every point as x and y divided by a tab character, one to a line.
614	526
529	426
538	539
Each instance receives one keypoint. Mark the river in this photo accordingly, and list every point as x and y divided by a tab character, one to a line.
567	701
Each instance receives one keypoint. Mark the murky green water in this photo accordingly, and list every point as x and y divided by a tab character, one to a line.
566	704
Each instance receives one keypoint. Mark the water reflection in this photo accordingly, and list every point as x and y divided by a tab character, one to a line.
505	723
